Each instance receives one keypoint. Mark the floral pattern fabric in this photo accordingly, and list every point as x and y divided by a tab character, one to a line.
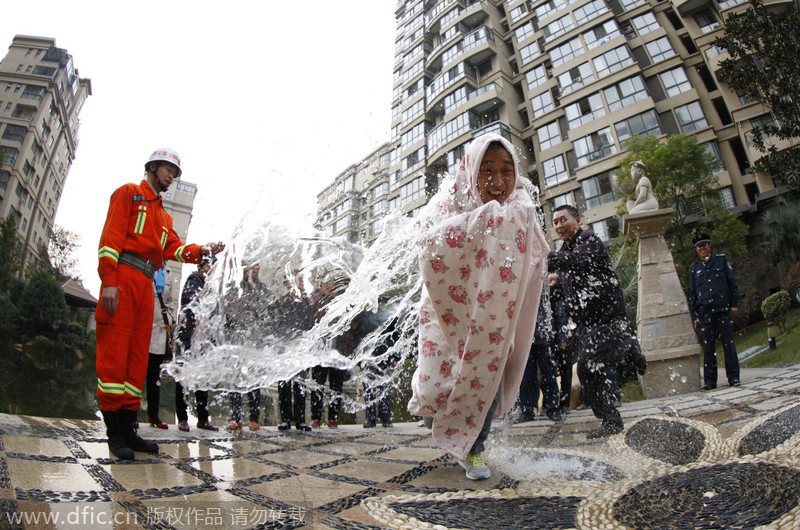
483	271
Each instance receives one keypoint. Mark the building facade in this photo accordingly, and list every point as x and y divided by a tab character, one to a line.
567	82
41	97
179	202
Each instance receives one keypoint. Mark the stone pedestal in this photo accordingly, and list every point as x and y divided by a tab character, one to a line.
663	319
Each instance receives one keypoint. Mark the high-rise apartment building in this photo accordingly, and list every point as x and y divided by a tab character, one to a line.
567	82
179	202
41	96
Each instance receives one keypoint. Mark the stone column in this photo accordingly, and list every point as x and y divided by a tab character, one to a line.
663	319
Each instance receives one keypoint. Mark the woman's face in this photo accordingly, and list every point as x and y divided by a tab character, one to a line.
496	176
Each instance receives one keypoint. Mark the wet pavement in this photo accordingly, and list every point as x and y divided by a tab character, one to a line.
725	458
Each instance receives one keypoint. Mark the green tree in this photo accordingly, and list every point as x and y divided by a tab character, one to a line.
60	254
9	252
42	306
781	240
763	44
683	178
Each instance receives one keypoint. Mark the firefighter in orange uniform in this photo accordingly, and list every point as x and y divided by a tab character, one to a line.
136	238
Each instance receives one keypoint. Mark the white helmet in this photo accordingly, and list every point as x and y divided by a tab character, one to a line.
165	154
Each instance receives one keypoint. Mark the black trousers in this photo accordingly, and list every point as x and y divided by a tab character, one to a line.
601	347
201	399
292	399
336	379
564	358
253	402
154	384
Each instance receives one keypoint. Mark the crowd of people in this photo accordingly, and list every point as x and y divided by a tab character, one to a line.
502	315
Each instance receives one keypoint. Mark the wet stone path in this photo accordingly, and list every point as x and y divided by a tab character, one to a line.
729	458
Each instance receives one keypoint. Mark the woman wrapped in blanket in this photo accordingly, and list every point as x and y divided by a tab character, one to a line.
482	262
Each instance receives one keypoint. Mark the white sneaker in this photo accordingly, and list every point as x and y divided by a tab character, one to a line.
475	468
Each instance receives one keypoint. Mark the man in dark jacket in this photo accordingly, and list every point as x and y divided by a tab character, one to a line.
592	290
193	286
713	301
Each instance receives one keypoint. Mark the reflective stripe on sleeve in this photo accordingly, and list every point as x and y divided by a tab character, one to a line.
108	252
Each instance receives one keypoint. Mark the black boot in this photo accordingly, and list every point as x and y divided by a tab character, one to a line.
133	440
116	442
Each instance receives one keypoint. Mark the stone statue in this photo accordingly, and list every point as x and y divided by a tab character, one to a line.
642	198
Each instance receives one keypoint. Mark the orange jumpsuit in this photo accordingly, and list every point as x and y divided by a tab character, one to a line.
137	223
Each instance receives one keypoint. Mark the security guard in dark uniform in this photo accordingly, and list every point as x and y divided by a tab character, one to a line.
713	300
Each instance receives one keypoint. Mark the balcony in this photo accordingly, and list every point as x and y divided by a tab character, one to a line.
433	16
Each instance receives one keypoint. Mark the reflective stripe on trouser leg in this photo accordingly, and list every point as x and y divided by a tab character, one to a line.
122	342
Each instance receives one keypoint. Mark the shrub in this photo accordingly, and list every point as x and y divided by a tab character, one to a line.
775	307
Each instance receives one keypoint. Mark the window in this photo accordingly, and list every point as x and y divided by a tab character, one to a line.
646	23
529	53
639	125
727	198
8	155
598	190
542	104
4	178
659	49
691	117
558	27
713	149
612	61
412	191
594	146
713	51
589	11
524	32
624	93
560	200
33	92
518	12
585	110
14	133
550	8
706	21
607	229
549	135
630	4
536	77
575	78
414	135
675	81
555	171
764	123
601	34
566	52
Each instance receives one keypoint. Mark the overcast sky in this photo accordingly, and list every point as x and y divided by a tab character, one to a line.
266	102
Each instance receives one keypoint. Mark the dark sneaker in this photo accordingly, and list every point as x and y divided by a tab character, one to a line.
606	429
387	424
554	415
369	424
284	426
736	382
523	417
706	388
565	408
303	427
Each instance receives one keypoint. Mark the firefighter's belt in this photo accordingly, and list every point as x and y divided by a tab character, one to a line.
137	262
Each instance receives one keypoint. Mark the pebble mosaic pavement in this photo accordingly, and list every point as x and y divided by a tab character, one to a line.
728	458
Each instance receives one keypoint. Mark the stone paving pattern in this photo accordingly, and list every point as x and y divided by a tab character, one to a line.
725	458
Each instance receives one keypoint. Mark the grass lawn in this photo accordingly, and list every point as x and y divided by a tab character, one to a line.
787	342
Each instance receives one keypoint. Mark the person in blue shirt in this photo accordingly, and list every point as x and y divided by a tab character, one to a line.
713	301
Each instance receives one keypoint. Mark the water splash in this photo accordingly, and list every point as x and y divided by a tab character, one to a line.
283	299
